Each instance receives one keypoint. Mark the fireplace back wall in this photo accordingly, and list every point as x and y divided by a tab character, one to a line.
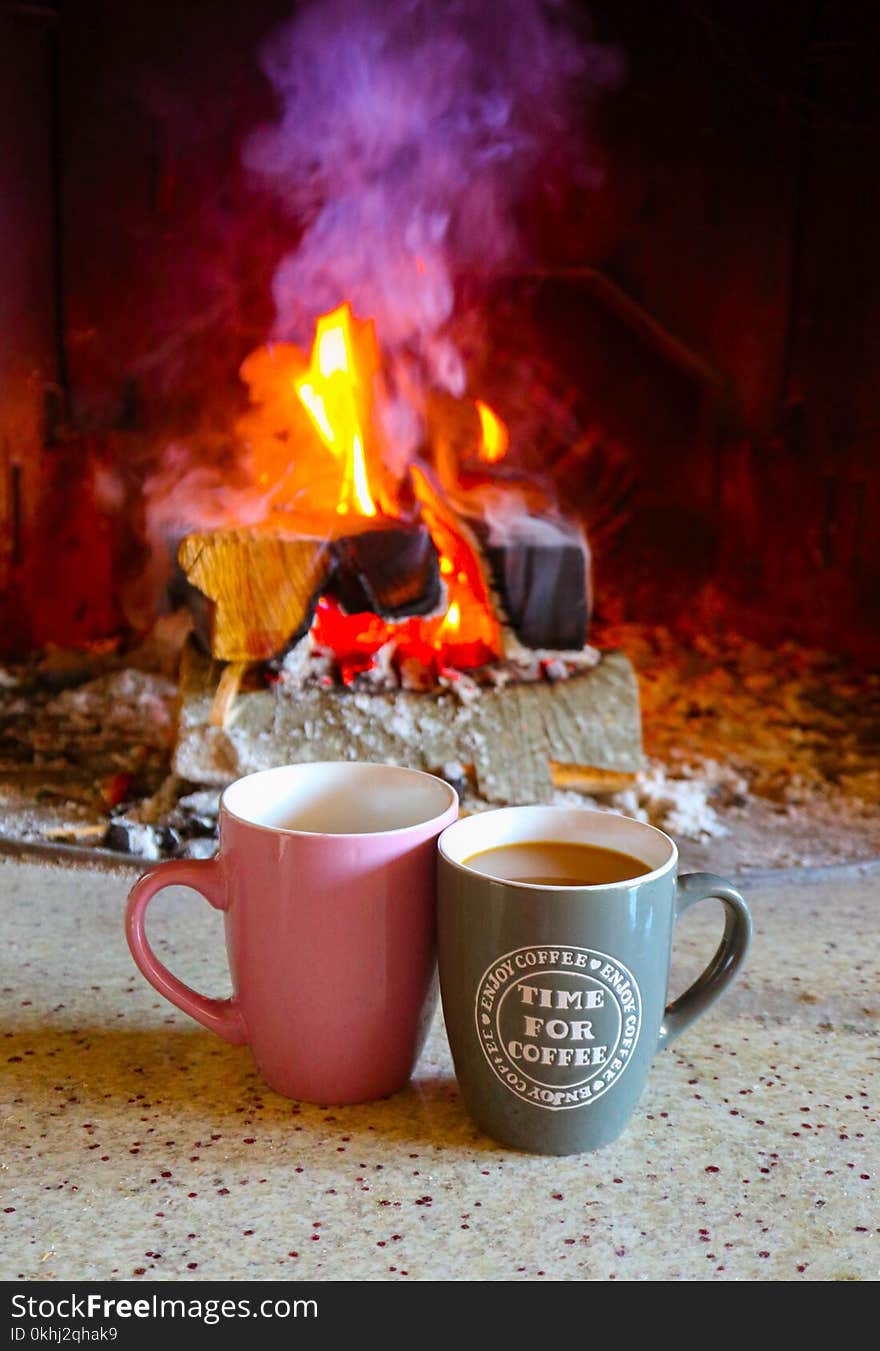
710	308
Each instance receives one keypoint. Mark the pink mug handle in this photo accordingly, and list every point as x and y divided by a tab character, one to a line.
205	876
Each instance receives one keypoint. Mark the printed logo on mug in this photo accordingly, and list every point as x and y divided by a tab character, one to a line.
555	932
558	1025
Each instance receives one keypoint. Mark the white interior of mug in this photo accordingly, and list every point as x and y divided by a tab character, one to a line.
563	825
338	798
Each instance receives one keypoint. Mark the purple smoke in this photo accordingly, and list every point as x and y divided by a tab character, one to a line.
409	130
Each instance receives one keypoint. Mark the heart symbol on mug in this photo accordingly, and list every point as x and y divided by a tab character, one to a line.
594	964
485	1018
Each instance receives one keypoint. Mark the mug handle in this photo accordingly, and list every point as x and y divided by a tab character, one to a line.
732	949
205	876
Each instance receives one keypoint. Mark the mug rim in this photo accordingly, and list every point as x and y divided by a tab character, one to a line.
305	765
565	889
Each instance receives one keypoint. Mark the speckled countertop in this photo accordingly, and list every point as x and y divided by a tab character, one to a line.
133	1143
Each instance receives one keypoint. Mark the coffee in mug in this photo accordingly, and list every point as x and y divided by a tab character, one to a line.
555	936
556	863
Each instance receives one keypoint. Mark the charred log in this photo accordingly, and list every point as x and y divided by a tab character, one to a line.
392	572
541	572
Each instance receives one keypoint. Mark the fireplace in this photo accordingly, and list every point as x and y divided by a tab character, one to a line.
625	414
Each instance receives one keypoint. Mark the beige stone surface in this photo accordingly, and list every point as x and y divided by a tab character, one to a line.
133	1143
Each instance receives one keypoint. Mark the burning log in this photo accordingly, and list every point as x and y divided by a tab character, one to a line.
518	739
541	572
393	572
263	588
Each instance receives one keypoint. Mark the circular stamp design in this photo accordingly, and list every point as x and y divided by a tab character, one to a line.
558	1024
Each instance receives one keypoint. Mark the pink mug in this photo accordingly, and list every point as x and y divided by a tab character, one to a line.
326	875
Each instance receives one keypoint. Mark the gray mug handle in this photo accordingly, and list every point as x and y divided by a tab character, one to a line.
732	949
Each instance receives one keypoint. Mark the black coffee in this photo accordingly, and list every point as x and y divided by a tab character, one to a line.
553	863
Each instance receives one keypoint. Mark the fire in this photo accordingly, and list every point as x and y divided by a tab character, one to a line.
450	625
494	438
467	635
316	454
335	392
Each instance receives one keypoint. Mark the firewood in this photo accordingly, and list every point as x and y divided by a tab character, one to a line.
590	779
263	587
540	570
510	736
394	571
88	830
225	694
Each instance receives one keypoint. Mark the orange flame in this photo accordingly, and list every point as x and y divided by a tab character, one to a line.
467	634
315	451
494	438
334	391
449	625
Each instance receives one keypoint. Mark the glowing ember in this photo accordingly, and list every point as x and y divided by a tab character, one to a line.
335	391
494	438
465	636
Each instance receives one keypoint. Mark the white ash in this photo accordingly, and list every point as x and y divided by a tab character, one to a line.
679	806
679	803
462	685
308	664
133	705
134	837
203	803
579	659
402	721
201	847
25	815
453	771
524	668
171	806
380	674
555	670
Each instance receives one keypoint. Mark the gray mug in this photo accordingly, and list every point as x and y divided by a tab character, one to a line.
555	996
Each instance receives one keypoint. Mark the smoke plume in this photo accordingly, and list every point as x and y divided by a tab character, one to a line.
408	133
